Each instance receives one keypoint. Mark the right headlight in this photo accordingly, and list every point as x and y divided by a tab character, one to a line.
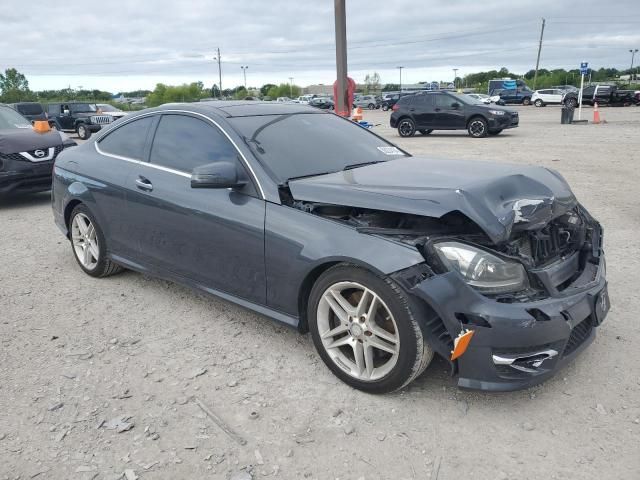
486	272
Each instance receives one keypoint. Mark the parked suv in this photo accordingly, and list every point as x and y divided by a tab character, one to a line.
426	112
516	95
32	111
548	96
389	100
603	95
366	101
80	117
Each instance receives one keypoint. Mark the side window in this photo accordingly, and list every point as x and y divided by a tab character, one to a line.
183	143
422	100
128	140
444	101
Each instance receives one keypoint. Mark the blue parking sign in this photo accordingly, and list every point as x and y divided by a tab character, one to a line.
584	65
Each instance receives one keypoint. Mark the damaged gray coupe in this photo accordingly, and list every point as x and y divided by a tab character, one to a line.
385	258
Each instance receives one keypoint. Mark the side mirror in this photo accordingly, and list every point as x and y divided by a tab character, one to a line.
216	175
455	105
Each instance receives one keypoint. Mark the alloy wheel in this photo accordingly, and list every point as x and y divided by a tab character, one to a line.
477	128
85	241
358	331
405	128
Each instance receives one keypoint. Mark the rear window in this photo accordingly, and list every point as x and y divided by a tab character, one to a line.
29	108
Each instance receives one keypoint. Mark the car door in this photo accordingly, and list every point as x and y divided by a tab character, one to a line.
422	110
65	120
449	112
210	237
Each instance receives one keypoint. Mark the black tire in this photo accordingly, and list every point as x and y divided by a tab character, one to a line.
385	108
526	101
478	127
495	132
105	266
538	103
406	127
426	132
571	102
371	106
83	131
414	354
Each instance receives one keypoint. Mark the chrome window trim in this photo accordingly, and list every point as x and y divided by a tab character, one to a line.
170	170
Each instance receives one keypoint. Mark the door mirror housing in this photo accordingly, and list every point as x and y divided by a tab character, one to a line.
217	175
455	105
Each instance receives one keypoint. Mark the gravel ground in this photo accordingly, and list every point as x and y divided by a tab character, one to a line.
105	378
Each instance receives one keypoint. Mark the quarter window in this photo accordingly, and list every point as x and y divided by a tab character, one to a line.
128	140
183	143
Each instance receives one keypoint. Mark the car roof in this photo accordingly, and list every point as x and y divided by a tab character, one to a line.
240	108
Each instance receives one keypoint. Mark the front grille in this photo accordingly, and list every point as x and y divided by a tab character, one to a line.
100	119
16	157
578	335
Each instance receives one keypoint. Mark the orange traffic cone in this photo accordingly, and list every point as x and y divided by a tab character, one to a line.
596	113
357	115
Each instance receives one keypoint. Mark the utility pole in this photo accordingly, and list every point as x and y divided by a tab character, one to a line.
218	59
455	76
535	76
291	87
633	54
400	68
342	97
244	71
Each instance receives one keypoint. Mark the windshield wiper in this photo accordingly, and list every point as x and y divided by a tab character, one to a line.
363	164
307	176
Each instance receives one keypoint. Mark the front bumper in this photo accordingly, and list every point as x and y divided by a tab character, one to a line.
520	332
25	177
502	122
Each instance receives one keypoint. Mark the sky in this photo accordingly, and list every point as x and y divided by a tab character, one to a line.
123	45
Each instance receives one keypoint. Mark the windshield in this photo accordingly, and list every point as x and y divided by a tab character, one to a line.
464	98
82	107
9	118
30	108
105	107
306	144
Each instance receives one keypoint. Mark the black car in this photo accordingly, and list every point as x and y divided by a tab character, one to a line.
32	111
306	217
80	117
426	112
322	103
26	157
388	101
602	95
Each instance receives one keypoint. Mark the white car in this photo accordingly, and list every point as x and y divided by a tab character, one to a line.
113	112
480	97
283	99
305	99
548	96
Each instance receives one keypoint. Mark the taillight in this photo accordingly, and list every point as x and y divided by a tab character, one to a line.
395	107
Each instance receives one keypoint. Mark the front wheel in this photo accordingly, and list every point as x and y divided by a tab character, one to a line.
426	132
365	331
406	127
538	103
478	127
83	132
526	101
371	106
89	245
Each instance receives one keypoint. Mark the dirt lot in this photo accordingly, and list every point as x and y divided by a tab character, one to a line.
76	351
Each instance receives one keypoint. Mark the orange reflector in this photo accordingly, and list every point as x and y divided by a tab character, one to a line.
461	343
41	126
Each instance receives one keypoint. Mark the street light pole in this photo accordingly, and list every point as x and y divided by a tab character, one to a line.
291	87
633	54
455	76
400	68
244	71
342	106
218	59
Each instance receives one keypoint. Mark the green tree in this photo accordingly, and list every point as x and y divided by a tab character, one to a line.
372	83
284	90
264	89
14	86
391	87
240	93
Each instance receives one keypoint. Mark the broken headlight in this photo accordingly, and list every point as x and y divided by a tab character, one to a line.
482	270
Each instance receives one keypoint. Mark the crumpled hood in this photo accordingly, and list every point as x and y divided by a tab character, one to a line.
17	140
497	197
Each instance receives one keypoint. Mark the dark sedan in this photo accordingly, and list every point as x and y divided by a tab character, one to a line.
26	156
303	216
429	111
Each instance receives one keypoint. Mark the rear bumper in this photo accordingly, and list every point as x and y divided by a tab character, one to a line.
510	337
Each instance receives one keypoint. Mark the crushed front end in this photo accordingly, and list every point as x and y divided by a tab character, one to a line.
524	329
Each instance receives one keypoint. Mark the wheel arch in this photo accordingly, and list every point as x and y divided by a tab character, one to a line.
474	116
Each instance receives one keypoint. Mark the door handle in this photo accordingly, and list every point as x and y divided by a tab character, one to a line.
144	184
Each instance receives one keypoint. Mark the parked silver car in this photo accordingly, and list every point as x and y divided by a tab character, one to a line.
367	101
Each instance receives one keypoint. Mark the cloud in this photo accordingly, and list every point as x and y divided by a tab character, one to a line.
124	44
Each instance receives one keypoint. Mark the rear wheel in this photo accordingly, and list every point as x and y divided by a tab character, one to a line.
478	127
426	132
385	108
526	101
365	331
571	102
83	132
406	127
371	106
89	245
538	103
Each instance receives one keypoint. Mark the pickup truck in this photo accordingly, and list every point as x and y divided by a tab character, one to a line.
603	95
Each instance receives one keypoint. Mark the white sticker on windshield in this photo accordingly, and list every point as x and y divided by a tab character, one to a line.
390	151
22	125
